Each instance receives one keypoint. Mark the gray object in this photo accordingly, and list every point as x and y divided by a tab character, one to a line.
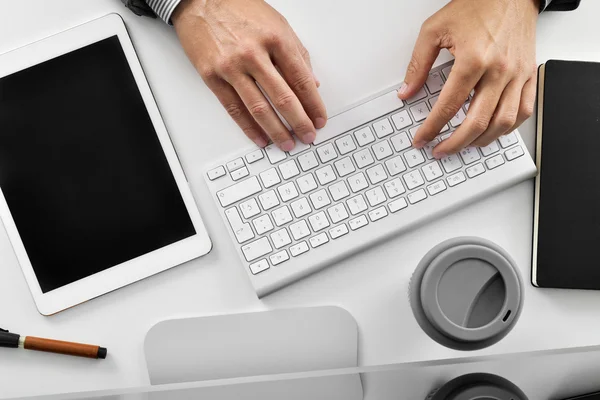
466	293
478	387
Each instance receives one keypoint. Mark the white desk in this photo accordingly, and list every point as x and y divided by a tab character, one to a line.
358	48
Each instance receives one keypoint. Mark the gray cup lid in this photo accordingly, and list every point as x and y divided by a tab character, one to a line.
466	293
478	386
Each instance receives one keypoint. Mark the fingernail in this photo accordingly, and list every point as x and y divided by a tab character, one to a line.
320	122
440	155
288	145
309	138
420	143
260	142
403	89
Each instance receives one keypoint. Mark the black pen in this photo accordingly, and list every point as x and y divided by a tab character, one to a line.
12	340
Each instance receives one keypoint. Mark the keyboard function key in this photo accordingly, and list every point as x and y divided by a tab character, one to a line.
375	196
475	170
401	120
308	161
325	175
358	182
326	152
469	155
320	199
289	169
436	188
339	190
239	173
337	213
287	191
401	141
490	148
268	200
239	191
282	216
318	221
259	267
306	183
513	153
413	179
279	257
434	83
397	205
299	230
319	240
421	94
356	204
338	231
394	188
364	136
451	163
256	249
417	196
432	171
301	207
235	164
299	248
414	157
249	208
383	128
345	145
363	158
275	154
495	161
508	140
382	150
419	111
216	173
376	174
456	179
378	213
358	223
280	238
395	165
255	156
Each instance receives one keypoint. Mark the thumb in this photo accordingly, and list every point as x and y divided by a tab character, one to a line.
424	55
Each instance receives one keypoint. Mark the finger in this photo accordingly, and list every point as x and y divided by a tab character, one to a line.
456	90
478	118
505	116
263	113
300	79
305	56
527	104
424	54
237	110
285	101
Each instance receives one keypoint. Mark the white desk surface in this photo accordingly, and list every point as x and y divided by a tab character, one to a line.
358	48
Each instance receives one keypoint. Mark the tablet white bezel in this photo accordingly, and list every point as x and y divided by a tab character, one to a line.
141	267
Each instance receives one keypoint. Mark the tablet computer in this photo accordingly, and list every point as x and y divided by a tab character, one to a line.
92	194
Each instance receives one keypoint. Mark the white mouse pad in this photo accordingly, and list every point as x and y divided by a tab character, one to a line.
253	344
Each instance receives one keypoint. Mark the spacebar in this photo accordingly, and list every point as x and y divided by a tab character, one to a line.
359	115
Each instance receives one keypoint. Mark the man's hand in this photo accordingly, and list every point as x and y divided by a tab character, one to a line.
236	43
493	42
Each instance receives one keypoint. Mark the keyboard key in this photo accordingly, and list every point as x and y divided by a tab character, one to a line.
413	131
513	153
239	191
458	119
345	145
298	249
434	83
337	213
375	196
268	200
364	136
235	164
401	141
318	221
242	231
467	105
395	165
451	163
456	179
308	161
378	213
358	182
326	153
301	207
339	190
383	128
274	154
239	173
259	267
376	174
299	147
280	238
249	208
469	155
433	100
254	156
436	188
356	204
446	71
306	183
413	179
319	240
320	199
397	205
279	257
475	170
421	94
289	169
299	230
325	175
344	166
382	150
495	161
417	196
262	224
414	157
269	178
358	223
363	158
428	149
282	215
432	171
394	188
508	140
256	249
445	128
419	111
338	231
490	148
401	120
287	191
216	173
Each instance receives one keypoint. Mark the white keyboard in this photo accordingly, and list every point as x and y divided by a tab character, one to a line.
292	214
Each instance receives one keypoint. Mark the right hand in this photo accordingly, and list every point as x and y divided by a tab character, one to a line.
235	44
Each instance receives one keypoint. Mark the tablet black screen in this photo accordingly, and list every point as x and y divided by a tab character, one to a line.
81	167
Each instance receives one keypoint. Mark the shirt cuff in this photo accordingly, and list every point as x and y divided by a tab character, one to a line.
544	4
164	8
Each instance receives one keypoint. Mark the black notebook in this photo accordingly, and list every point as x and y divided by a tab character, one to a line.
566	243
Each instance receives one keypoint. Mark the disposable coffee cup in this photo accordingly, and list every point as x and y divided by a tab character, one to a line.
478	387
466	293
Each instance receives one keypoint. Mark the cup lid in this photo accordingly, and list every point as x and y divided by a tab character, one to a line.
478	386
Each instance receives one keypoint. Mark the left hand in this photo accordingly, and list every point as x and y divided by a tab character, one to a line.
493	42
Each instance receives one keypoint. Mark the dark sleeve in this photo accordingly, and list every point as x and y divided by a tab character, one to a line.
563	5
139	7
